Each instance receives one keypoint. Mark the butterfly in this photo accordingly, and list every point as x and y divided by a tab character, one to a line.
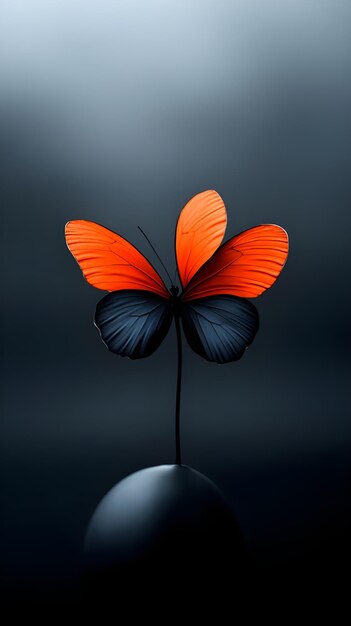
216	279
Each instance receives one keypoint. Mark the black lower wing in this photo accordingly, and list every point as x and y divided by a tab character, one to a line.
219	328
133	323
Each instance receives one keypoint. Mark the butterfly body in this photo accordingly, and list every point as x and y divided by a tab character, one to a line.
218	321
174	291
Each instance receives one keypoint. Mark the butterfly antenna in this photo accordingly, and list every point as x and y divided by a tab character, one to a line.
158	256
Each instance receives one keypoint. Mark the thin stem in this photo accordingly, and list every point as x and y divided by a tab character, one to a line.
179	386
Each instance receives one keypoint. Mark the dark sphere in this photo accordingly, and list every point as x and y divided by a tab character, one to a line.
162	523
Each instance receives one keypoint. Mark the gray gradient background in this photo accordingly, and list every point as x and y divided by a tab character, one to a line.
119	112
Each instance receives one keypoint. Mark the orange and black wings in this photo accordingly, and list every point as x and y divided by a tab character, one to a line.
135	317
218	322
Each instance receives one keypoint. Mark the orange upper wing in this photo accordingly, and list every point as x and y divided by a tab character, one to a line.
200	230
110	262
244	266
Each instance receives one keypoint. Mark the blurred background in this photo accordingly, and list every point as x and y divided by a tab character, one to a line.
119	112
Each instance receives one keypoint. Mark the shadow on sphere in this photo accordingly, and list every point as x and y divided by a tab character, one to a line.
164	529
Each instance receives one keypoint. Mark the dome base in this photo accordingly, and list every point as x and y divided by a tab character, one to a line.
162	524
